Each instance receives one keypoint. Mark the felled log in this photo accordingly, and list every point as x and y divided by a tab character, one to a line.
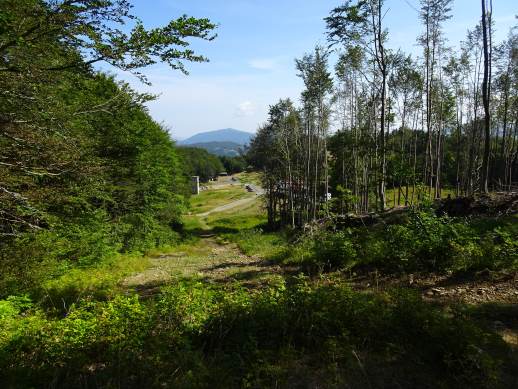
493	204
396	215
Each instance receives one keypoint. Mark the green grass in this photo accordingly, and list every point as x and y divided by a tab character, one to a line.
215	197
249	178
99	282
193	223
245	217
259	243
182	261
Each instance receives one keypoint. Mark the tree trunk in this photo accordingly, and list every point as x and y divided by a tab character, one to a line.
485	100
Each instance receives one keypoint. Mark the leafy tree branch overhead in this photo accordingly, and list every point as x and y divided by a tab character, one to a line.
95	29
66	131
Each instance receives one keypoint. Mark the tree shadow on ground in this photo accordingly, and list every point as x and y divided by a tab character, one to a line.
467	277
230	265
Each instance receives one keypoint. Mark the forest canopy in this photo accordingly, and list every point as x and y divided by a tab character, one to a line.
199	162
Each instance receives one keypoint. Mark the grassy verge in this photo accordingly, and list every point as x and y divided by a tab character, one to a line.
247	216
255	242
99	282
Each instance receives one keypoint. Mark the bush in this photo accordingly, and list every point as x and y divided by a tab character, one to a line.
196	335
429	242
93	339
396	332
499	250
426	242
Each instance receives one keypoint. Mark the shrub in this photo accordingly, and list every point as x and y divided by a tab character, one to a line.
196	335
499	250
331	323
334	250
95	338
426	242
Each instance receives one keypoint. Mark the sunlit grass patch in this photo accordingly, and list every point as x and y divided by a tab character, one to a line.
193	223
209	199
99	282
245	217
250	178
414	197
258	243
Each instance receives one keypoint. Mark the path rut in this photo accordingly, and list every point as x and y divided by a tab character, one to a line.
209	260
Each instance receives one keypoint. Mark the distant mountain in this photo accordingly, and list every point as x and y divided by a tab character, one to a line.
225	135
223	149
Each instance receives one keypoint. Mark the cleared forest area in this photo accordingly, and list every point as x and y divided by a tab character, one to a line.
367	237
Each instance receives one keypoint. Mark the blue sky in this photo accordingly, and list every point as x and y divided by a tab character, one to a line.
252	60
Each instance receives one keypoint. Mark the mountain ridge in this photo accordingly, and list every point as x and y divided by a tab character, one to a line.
221	149
233	135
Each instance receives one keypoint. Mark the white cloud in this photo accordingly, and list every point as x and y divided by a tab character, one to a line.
197	103
263	63
246	108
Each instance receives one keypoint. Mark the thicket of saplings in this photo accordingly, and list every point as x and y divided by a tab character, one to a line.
417	241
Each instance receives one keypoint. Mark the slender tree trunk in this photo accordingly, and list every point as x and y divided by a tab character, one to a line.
485	98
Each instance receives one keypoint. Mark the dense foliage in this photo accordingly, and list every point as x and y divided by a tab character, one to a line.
234	165
201	163
419	242
84	171
194	335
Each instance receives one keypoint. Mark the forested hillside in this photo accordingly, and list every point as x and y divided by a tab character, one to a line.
199	162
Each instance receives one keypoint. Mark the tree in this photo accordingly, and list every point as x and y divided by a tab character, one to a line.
486	90
504	97
403	125
46	52
199	162
89	32
313	69
360	24
433	13
233	165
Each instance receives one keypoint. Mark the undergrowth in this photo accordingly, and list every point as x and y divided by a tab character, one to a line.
292	334
425	242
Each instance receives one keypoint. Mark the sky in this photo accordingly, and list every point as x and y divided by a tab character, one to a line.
252	60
